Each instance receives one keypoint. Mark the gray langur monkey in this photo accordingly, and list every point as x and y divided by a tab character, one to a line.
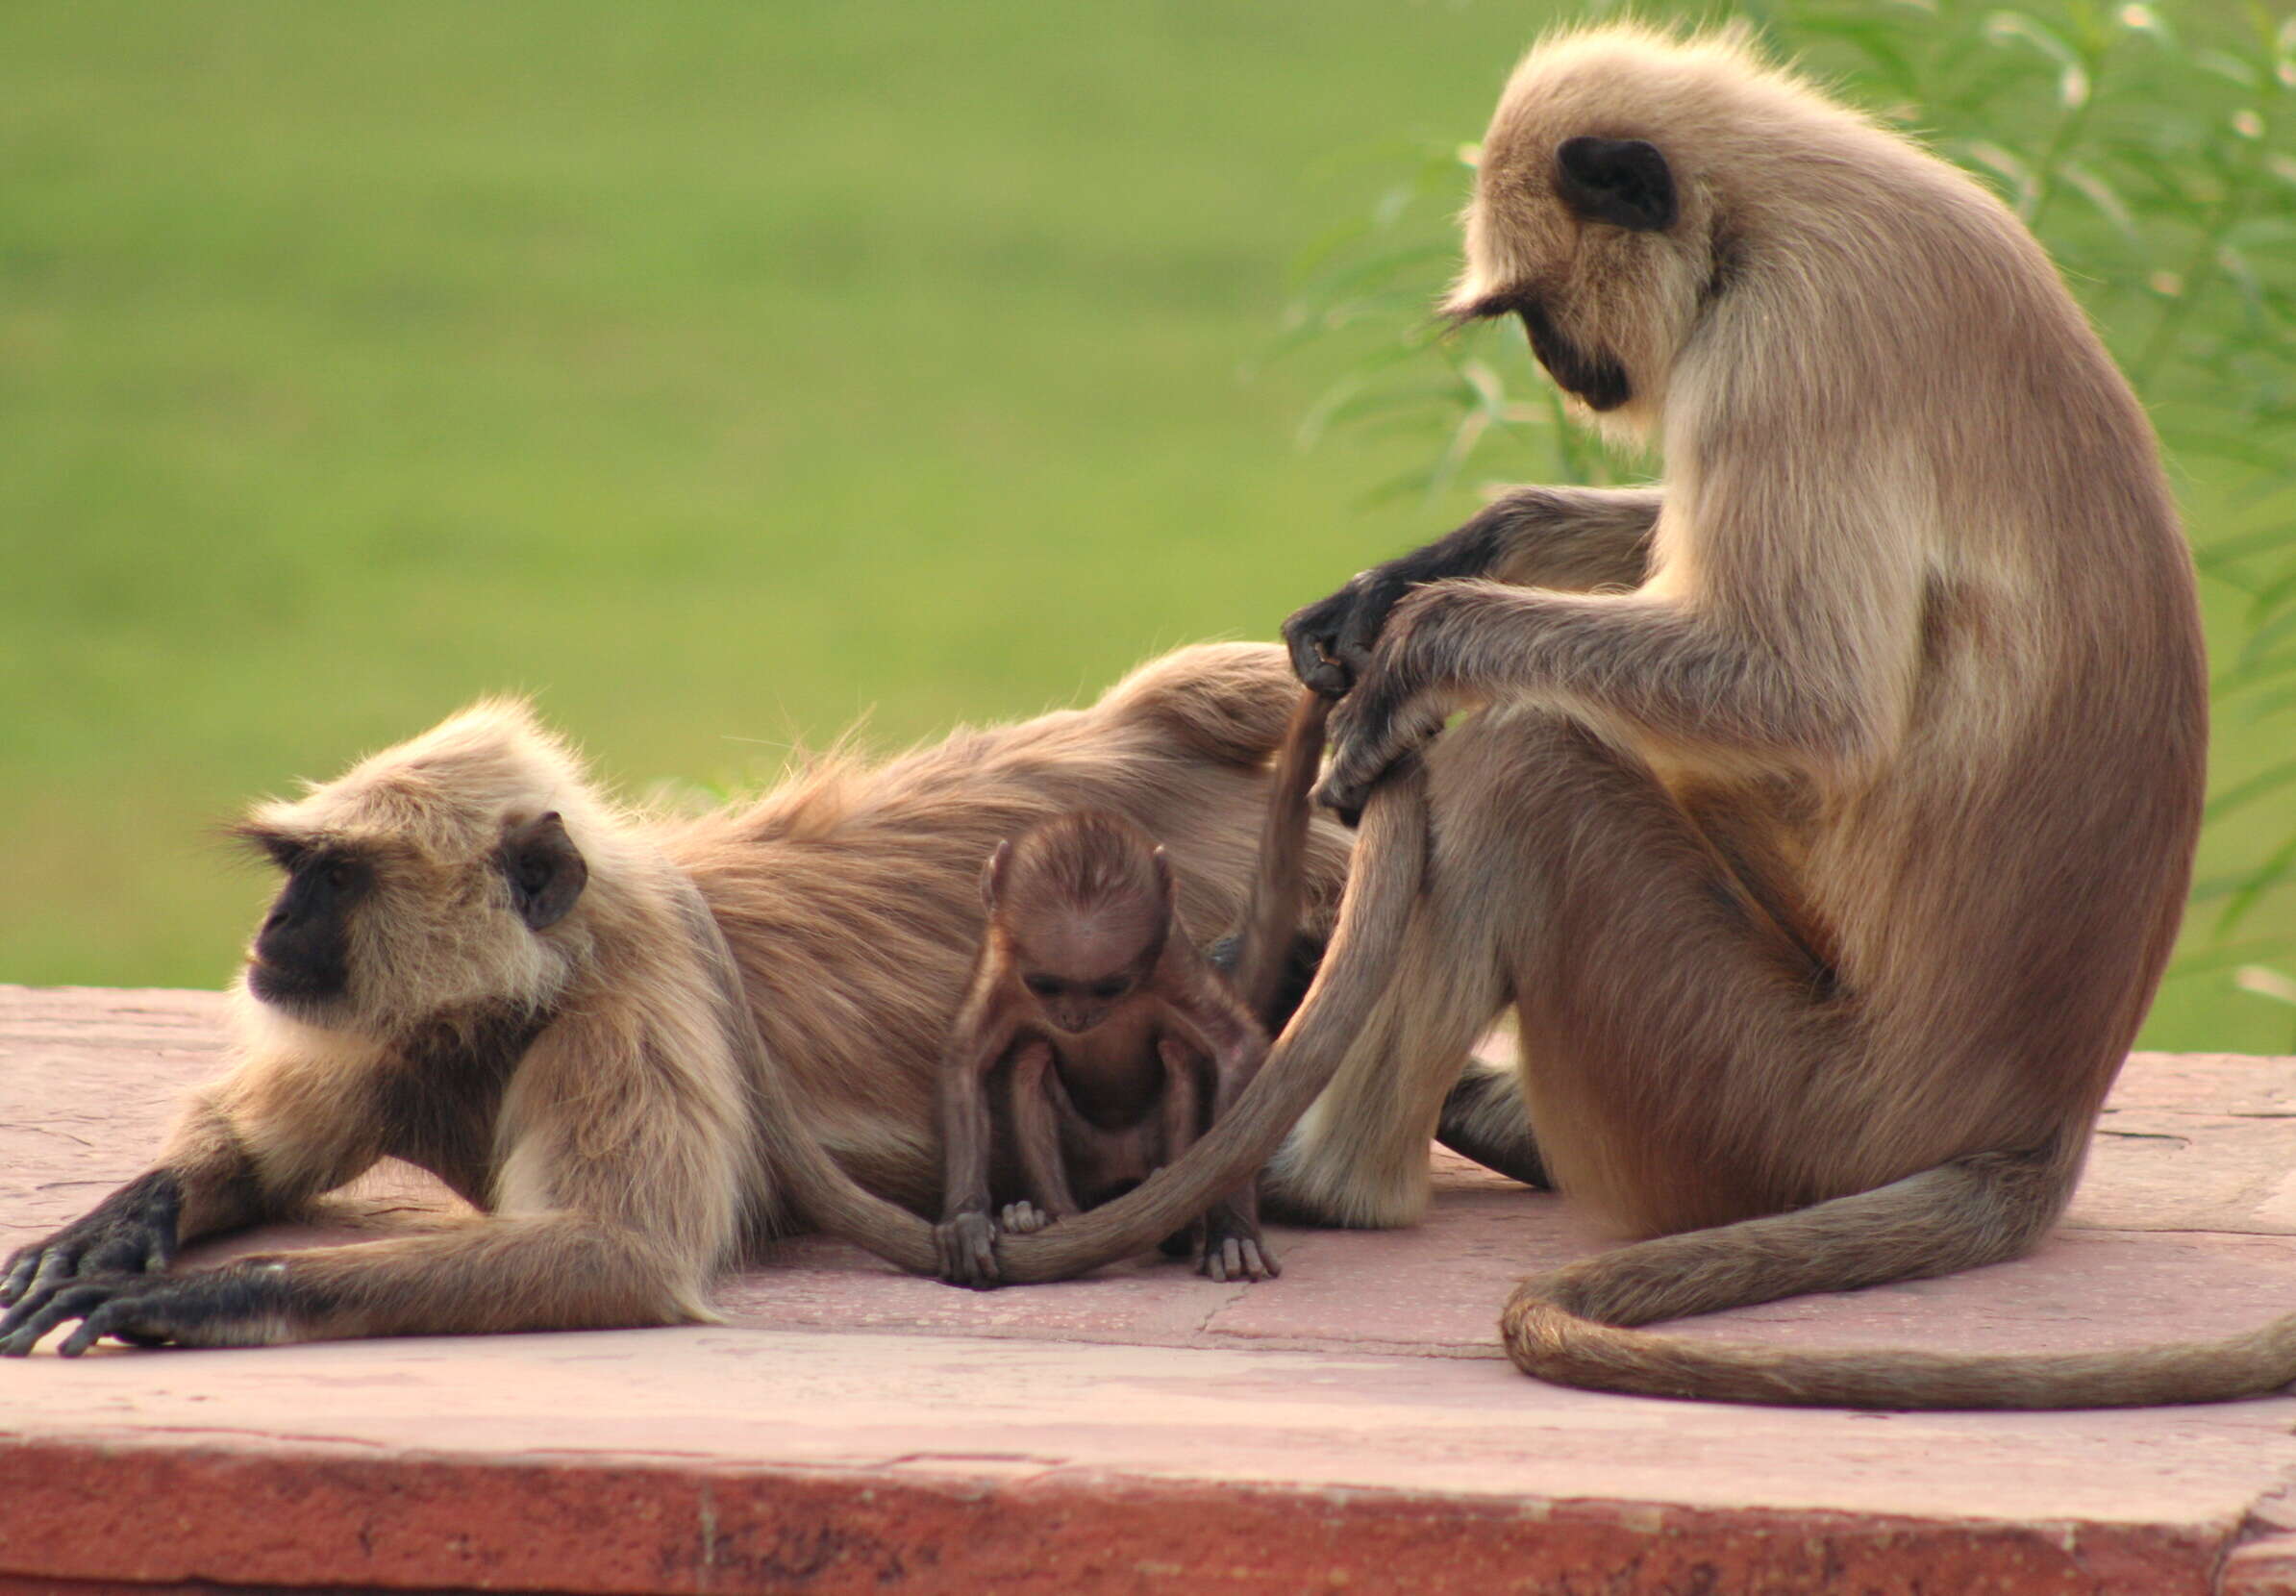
1826	813
636	1046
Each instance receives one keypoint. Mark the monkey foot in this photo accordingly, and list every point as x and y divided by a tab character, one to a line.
1022	1219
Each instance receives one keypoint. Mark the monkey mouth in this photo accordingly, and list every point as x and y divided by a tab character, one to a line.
288	986
1599	380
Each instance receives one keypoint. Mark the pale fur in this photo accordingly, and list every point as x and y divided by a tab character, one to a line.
1830	834
636	1094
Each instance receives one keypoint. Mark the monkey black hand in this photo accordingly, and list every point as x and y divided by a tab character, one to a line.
1372	733
1331	639
968	1251
130	1231
1396	705
244	1304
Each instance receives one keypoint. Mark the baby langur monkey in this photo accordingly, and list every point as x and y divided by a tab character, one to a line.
1111	1040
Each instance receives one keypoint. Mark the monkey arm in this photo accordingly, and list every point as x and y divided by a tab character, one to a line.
1569	538
1689	675
275	1133
618	1195
966	1236
1216	1029
492	1273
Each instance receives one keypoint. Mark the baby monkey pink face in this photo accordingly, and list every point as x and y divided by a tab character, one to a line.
1084	907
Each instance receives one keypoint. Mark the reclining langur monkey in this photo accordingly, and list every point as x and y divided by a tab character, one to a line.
1827	812
636	1046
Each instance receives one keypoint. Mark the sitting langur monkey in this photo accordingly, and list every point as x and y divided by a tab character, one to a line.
1110	1040
635	1047
1826	814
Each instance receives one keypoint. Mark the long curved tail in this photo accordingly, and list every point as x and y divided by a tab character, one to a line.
1383	885
814	1184
1271	918
1575	1325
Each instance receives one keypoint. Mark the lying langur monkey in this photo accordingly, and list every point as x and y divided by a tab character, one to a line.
1825	814
1108	1041
637	1047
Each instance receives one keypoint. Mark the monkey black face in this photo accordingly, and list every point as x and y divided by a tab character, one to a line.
1597	379
302	954
1076	1006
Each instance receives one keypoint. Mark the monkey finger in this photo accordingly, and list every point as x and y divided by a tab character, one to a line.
37	1295
143	1321
57	1265
70	1302
20	1265
1359	634
985	1276
1310	634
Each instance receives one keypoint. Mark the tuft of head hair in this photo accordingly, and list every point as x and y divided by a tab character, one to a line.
1633	179
1089	859
442	794
438	927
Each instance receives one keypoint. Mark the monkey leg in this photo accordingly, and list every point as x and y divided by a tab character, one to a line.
1359	1155
1688	1075
1483	1119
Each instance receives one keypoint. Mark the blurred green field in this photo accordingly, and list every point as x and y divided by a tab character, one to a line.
717	372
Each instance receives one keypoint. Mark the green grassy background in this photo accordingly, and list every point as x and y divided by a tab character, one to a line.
717	372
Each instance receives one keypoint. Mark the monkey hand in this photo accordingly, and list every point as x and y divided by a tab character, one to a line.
243	1305
1398	704
967	1246
1232	1249
1375	738
1331	639
130	1231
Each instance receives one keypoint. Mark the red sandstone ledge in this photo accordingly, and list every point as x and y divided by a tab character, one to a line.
1348	1428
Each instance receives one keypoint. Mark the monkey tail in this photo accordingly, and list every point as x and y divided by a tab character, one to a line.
1381	888
1271	919
813	1183
1574	1325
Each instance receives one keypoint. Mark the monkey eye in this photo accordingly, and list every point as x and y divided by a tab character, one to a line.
1108	988
1043	985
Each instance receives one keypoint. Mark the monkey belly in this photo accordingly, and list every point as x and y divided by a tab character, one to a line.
1102	1164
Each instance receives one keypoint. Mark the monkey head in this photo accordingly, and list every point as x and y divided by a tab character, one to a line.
1079	908
1594	219
431	879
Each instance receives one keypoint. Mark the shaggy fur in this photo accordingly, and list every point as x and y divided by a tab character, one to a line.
1827	815
638	1091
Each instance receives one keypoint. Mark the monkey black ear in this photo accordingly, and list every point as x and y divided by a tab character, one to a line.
992	874
545	870
1625	182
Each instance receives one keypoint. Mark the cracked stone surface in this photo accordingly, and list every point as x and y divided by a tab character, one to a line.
1350	1426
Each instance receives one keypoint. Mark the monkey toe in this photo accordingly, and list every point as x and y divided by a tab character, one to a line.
1239	1258
1023	1219
967	1246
